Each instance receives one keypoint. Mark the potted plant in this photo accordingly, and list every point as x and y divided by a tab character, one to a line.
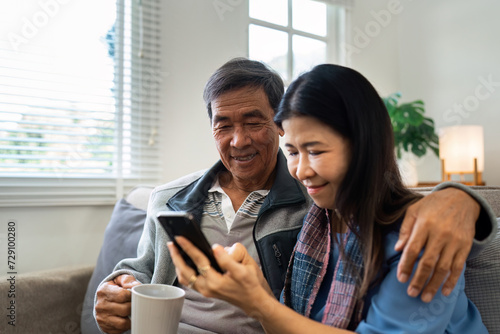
413	132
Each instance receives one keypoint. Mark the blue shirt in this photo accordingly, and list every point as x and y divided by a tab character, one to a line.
389	309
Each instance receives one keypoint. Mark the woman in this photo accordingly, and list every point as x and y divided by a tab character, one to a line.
342	275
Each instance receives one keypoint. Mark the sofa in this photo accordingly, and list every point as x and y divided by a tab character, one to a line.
60	300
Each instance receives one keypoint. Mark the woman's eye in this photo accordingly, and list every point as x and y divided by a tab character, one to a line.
292	154
314	152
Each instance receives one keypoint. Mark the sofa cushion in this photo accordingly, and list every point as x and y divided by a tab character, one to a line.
482	283
120	241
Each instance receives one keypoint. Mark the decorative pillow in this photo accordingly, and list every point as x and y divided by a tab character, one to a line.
482	283
120	241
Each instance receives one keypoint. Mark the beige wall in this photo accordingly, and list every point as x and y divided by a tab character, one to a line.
198	38
440	52
51	237
372	47
456	50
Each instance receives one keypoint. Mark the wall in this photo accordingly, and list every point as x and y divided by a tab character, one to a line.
448	49
51	237
440	52
198	38
371	47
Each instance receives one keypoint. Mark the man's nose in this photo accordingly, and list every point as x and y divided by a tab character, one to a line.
241	137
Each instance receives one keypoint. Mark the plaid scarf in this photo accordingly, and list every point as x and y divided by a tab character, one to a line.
308	267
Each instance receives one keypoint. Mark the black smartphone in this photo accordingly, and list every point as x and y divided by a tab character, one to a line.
181	223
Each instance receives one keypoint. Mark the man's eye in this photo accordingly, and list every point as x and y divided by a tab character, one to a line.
254	124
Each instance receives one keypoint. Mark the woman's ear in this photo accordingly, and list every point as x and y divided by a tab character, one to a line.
281	132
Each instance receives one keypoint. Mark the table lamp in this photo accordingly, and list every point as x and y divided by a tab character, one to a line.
461	150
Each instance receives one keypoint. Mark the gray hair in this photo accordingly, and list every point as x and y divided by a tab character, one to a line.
241	72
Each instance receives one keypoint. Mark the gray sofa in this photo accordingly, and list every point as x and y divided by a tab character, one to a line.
52	301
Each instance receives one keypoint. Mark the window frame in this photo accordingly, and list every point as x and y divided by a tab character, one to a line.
334	39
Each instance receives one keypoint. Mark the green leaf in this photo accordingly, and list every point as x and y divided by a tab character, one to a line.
413	132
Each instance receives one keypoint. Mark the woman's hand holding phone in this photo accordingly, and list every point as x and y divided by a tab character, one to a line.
183	224
241	282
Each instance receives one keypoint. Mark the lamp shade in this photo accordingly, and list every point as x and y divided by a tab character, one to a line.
459	145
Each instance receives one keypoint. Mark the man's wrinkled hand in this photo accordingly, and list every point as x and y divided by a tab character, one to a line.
442	224
113	305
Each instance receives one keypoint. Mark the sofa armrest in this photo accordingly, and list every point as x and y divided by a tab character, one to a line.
482	282
47	301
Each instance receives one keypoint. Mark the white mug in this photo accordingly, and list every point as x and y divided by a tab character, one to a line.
156	308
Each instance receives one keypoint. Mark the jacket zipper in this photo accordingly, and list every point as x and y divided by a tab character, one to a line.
277	254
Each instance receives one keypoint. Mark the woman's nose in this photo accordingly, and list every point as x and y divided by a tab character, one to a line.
304	170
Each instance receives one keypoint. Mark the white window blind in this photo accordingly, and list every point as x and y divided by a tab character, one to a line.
79	101
341	3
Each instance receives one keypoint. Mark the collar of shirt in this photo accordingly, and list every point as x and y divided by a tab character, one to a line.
226	204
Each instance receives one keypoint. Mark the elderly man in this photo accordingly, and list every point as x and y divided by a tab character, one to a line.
249	197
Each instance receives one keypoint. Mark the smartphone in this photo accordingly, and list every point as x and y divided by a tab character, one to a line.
181	223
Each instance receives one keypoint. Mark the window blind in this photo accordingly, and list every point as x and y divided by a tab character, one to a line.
79	112
341	3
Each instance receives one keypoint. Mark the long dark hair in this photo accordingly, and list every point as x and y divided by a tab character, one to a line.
372	195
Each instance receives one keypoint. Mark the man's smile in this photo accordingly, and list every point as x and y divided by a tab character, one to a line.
244	157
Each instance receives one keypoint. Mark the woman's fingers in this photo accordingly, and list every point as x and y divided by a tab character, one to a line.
184	272
192	251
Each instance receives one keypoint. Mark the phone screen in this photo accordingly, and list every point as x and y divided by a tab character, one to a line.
181	223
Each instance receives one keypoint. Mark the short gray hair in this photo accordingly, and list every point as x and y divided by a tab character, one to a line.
241	72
